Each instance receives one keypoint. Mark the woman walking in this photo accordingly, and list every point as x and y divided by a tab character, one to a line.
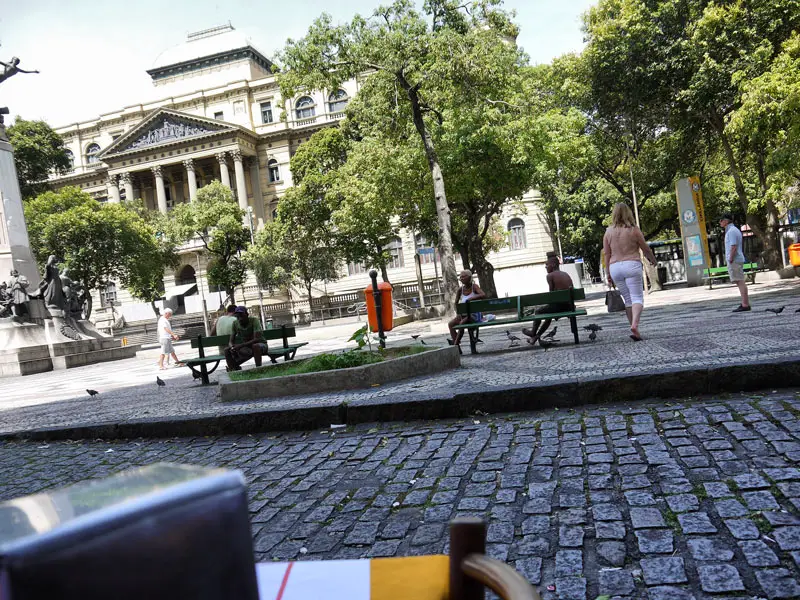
621	245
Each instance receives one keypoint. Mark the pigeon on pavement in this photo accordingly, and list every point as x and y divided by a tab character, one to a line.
160	381
592	336
593	327
92	392
546	344
552	333
514	339
777	311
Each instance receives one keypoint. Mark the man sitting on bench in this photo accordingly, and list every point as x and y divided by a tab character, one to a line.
557	280
249	331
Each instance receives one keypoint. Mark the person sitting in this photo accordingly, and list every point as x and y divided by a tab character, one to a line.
556	280
468	291
248	330
224	325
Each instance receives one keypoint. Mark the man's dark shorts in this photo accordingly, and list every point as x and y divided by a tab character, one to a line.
557	307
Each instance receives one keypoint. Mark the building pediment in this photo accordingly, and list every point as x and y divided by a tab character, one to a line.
163	128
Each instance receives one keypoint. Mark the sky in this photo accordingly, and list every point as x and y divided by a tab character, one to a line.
92	55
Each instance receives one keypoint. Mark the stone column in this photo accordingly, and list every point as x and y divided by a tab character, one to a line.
241	186
225	177
161	194
127	183
258	197
191	178
113	189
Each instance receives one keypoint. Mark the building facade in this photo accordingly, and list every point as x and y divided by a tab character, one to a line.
220	118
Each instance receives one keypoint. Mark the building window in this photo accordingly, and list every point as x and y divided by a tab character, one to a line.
238	107
395	250
70	158
108	295
266	112
274	170
337	101
355	269
304	107
422	242
91	154
516	231
219	116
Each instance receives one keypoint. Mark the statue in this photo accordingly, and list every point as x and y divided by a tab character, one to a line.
73	295
11	68
52	293
5	300
17	289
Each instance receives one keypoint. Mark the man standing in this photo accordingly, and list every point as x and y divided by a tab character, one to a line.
735	258
556	280
224	325
165	338
248	330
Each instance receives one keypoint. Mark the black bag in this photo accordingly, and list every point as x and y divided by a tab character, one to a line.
614	301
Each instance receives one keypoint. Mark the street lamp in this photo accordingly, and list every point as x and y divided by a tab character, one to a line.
258	285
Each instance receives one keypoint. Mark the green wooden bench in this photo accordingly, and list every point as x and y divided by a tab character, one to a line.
519	309
750	270
199	365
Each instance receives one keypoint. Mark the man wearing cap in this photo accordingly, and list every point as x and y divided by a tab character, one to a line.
735	258
248	330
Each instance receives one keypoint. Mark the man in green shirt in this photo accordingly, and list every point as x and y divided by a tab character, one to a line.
224	325
248	330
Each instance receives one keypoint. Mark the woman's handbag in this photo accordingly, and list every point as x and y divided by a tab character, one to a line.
614	301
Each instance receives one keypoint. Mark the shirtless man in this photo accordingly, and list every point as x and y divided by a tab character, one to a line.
556	280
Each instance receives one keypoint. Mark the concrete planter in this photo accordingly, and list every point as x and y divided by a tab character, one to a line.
425	363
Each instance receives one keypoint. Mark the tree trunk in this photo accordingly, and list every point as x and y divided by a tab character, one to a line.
483	268
768	232
384	274
310	307
155	308
88	305
442	209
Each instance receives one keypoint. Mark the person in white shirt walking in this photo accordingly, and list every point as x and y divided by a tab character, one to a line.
735	258
165	338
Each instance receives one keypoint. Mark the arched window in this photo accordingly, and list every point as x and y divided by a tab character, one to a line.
91	154
337	101
355	268
304	107
274	170
395	250
71	158
186	275
423	244
516	234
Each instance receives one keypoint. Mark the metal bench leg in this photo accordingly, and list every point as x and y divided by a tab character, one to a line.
473	344
204	374
573	323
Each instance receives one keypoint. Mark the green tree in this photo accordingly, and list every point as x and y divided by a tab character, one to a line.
409	52
270	259
97	242
215	219
38	152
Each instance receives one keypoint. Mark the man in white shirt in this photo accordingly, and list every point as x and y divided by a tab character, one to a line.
165	338
735	258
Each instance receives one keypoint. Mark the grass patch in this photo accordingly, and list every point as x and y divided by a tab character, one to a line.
326	362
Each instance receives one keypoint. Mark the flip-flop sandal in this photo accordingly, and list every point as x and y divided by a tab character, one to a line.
636	338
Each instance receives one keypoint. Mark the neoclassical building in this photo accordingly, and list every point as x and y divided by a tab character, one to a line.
220	118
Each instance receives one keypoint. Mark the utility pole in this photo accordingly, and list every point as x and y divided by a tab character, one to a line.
258	285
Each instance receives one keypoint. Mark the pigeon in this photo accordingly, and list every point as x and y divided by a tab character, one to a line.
514	339
92	392
414	337
777	311
593	336
160	381
798	310
423	342
593	327
552	333
546	344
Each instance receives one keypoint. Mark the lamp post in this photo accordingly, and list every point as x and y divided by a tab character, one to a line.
202	295
376	294
258	285
558	235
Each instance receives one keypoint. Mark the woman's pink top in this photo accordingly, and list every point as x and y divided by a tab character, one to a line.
623	243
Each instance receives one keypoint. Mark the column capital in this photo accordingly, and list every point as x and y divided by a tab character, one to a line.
188	164
222	157
125	178
236	155
156	170
112	179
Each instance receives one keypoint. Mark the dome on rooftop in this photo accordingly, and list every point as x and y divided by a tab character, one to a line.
202	44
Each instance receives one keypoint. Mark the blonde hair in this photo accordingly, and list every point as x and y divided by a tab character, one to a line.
622	216
465	272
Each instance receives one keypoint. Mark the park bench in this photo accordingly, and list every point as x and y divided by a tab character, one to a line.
750	270
519	309
199	365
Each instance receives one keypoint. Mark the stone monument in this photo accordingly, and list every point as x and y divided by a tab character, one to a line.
41	325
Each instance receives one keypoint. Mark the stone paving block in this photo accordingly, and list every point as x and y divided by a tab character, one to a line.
616	583
696	522
536	524
606	512
570	537
571	588
788	538
668	592
750	481
742	529
610	530
572	516
613	553
646	518
660	571
655	541
569	563
729	507
705	549
428	533
761	500
683	503
719	578
531	545
500	532
778	583
758	554
530	569
638	498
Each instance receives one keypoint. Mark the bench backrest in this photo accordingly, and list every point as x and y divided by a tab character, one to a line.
556	297
493	305
518	303
279	333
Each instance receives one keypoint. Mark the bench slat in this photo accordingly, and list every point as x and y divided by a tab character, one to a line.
212	340
280	350
205	360
492	305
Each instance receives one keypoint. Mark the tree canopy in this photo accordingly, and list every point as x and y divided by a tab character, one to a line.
38	152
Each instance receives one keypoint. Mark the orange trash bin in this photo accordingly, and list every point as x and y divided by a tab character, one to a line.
387	311
794	255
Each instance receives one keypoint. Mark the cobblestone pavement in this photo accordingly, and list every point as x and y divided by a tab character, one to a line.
684	328
666	501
